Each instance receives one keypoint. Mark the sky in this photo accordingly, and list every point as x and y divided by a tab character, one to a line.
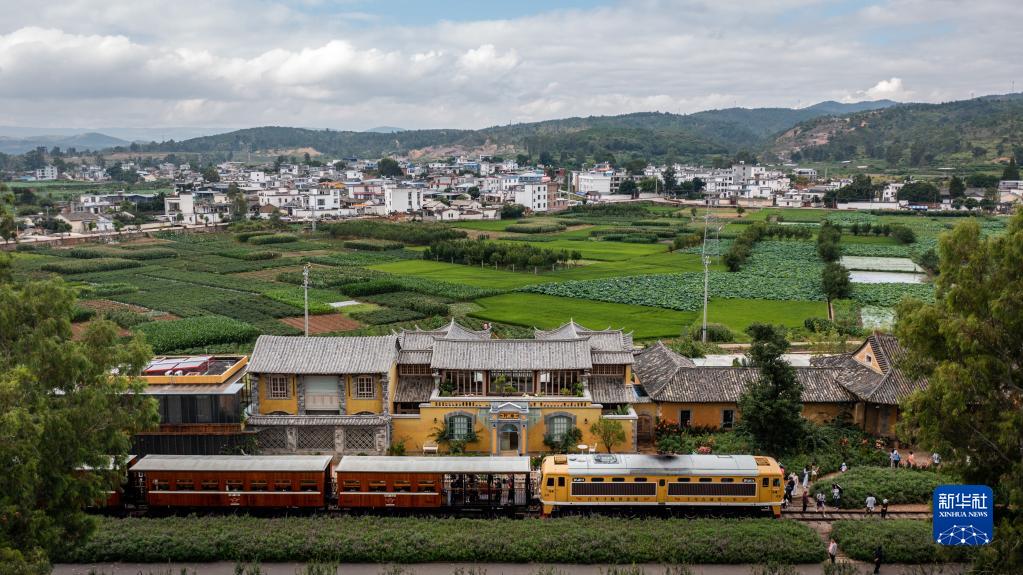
355	64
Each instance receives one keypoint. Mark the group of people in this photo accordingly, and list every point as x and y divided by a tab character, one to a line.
895	460
878	554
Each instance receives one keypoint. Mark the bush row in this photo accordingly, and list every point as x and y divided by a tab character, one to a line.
165	336
373	245
534	228
90	265
901	540
413	301
273	239
409	233
249	255
589	540
520	255
246	236
896	485
387	315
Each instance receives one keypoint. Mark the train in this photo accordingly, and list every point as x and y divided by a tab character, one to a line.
460	485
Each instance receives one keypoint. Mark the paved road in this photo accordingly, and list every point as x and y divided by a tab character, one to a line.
228	568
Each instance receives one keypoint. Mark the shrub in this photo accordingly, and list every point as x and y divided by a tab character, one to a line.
716	332
165	336
273	239
91	252
249	255
125	317
387	315
534	228
148	253
411	300
903	234
896	485
902	540
639	239
79	314
372	287
89	265
521	255
410	233
664	223
371	539
246	236
373	245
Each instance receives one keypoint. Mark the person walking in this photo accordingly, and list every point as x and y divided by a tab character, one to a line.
836	495
832	550
935	460
844	467
896	458
871	502
790	486
806	477
911	460
878	557
820	503
884	508
806	499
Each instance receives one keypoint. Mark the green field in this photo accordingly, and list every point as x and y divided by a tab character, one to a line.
603	251
463	274
738	314
545	312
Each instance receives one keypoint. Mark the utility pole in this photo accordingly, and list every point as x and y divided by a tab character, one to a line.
706	274
305	289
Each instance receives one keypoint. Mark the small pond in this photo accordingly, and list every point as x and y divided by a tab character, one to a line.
871	277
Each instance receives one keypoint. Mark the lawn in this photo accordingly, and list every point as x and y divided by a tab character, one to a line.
544	311
738	314
603	251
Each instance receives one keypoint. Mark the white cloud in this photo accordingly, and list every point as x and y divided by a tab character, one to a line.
252	62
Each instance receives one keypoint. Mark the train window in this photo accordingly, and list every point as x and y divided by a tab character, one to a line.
777	482
683	480
161	485
640	480
561	482
308	485
597	480
550	482
705	480
426	486
282	485
184	485
233	485
210	485
258	485
618	479
351	485
377	485
402	485
766	482
727	480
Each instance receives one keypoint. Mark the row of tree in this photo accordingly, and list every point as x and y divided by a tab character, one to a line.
516	255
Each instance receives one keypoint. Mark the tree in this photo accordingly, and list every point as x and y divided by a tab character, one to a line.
389	168
609	432
648	185
835	283
1011	171
967	344
8	225
66	404
636	166
670	180
921	192
628	187
771	407
903	234
512	211
474	192
239	204
956	187
521	159
827	242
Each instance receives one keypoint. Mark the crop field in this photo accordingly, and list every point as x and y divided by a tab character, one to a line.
231	286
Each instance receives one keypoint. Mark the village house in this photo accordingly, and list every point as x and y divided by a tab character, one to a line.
86	222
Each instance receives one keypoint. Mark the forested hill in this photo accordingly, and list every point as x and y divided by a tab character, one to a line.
953	133
651	135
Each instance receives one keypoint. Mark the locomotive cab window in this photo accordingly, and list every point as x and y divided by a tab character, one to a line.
561	482
352	485
550	482
308	485
766	482
777	482
184	485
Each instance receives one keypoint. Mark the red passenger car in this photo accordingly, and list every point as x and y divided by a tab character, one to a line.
262	481
433	482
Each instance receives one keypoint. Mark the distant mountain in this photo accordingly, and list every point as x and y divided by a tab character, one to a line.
651	135
385	130
834	108
86	141
952	133
128	134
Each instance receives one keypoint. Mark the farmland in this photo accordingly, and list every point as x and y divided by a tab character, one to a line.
215	291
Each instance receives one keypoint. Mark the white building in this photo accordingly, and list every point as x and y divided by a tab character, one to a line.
403	200
534	196
48	172
196	208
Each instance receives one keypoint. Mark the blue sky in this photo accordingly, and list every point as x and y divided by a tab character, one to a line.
355	64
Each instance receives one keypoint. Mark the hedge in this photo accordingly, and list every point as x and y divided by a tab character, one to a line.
273	239
95	252
90	265
368	539
897	485
373	245
534	228
165	336
410	233
249	255
246	236
410	300
387	315
902	541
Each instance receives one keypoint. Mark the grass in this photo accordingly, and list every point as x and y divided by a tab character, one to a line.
544	311
738	314
588	540
899	486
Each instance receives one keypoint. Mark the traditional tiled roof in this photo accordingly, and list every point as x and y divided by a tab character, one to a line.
604	340
607	391
414	356
332	420
423	339
611	357
658	363
323	355
896	384
511	354
414	389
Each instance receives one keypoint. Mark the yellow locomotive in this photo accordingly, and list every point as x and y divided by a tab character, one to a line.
675	481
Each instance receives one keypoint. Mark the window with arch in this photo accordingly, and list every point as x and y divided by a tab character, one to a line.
558	426
459	426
